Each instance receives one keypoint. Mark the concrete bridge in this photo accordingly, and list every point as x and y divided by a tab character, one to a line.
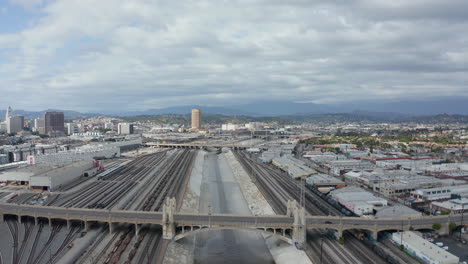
201	146
290	227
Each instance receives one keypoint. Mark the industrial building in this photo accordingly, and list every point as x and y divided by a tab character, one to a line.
196	118
358	200
3	159
47	177
456	206
396	211
84	153
268	156
441	193
21	152
340	167
406	162
324	180
295	168
423	249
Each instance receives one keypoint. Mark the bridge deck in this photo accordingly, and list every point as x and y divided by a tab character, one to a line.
141	217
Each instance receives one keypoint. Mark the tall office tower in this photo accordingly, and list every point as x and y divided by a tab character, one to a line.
15	124
196	118
9	113
54	122
125	128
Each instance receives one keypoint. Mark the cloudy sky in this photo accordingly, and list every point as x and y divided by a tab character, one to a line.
90	55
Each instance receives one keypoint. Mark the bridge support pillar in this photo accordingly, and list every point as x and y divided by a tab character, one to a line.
290	207
86	226
36	221
50	222
299	226
2	218
339	233
68	224
168	224
19	219
137	229
111	228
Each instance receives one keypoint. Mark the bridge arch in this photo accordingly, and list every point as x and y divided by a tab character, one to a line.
275	232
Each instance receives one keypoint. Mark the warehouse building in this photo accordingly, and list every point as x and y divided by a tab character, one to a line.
340	167
79	154
294	167
456	206
423	249
324	180
358	200
440	194
47	177
396	211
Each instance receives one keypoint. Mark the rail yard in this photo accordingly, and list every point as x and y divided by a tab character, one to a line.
140	184
143	183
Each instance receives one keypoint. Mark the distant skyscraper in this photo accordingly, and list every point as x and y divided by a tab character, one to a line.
9	113
15	124
54	122
72	128
196	118
39	125
125	128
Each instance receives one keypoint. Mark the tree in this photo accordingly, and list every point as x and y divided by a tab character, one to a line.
452	227
436	226
341	240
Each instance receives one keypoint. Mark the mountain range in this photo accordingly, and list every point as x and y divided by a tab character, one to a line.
399	109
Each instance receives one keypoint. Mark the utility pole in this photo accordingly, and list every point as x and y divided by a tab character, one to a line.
461	221
302	198
209	215
401	235
321	250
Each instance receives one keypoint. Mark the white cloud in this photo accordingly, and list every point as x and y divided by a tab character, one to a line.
28	3
144	54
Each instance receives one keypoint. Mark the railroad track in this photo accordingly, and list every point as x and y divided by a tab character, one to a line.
268	179
28	227
55	230
13	227
168	182
67	241
32	252
93	247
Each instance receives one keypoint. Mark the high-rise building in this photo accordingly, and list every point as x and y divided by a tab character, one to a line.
72	128
54	122
125	128
39	125
15	124
9	113
196	118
